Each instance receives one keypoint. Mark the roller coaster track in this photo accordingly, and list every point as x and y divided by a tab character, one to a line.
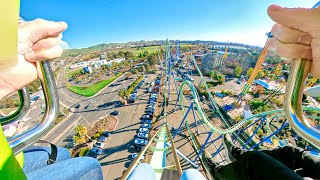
163	136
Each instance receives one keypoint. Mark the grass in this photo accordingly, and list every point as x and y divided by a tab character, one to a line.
134	84
83	151
93	89
70	74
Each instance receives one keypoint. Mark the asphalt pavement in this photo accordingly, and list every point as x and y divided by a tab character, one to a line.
115	157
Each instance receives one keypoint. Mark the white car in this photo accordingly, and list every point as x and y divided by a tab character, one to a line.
134	155
98	144
144	130
139	141
143	135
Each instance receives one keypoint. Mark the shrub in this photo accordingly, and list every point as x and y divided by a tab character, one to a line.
84	151
96	136
100	131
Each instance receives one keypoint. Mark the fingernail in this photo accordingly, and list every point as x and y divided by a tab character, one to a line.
275	7
62	23
31	56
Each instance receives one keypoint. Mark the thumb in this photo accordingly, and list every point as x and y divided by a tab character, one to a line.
303	19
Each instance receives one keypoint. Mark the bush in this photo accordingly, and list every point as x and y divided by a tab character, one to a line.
83	151
134	84
100	131
96	136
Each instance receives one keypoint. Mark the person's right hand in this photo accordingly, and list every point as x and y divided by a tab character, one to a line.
297	34
38	40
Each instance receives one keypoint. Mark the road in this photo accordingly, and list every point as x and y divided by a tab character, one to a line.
62	134
115	158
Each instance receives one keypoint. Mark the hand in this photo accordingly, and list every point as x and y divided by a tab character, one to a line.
297	34
38	40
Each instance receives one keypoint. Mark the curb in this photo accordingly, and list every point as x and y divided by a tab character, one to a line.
106	86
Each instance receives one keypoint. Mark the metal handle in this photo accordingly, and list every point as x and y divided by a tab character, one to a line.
293	102
21	141
24	106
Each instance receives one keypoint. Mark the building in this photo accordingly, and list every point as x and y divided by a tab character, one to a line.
88	69
264	84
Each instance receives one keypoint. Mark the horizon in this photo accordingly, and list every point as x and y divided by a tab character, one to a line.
104	22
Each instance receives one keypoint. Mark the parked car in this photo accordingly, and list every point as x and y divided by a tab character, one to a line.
139	141
143	135
149	90
149	113
146	126
144	130
77	105
146	116
151	107
98	144
102	139
136	148
88	106
147	121
115	113
106	134
96	151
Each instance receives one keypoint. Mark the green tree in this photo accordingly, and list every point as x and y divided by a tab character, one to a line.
78	139
220	78
122	93
134	71
238	71
285	67
260	74
148	67
145	53
249	72
142	68
81	130
211	74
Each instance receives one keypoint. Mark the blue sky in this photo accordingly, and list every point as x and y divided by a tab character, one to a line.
93	22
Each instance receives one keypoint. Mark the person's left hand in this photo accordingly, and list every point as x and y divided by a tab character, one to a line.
38	40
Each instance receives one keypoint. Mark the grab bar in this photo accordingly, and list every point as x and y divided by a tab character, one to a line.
23	140
293	102
24	106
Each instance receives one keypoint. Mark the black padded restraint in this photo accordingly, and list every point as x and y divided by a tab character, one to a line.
53	154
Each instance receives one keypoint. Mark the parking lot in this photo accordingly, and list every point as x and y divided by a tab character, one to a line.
131	131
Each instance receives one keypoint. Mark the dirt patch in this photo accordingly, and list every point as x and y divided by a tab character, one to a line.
107	123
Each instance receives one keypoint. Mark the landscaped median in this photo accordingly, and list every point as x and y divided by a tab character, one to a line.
94	88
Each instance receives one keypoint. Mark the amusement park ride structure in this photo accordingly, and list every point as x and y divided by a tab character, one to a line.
163	139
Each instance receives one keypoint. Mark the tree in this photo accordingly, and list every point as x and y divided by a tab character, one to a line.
145	53
260	89
142	68
78	139
285	67
249	72
148	67
260	74
134	71
81	130
220	78
211	74
122	93
238	71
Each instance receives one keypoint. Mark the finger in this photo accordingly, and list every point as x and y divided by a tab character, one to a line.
291	50
47	43
47	54
306	20
290	35
316	58
40	29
